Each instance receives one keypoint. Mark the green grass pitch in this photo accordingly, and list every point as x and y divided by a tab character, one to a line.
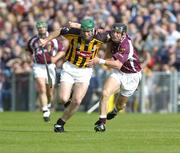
26	132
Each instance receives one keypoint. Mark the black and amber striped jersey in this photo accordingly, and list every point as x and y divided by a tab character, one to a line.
80	51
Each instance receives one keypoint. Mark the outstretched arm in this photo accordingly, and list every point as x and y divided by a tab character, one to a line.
62	53
74	25
53	35
111	63
56	33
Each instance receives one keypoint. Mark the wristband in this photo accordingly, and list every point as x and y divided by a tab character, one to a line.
102	61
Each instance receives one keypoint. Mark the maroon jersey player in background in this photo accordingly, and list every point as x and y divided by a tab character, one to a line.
125	77
53	51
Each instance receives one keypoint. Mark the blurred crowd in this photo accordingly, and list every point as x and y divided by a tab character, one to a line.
154	26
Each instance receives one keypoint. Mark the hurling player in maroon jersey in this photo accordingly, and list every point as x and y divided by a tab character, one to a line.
53	51
125	76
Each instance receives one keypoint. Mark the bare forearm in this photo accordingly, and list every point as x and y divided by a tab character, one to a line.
113	64
59	56
74	25
53	35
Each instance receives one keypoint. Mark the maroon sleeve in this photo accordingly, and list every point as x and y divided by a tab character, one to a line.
123	52
29	47
60	46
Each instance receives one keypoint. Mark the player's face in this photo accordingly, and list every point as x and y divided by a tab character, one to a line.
87	35
42	31
116	36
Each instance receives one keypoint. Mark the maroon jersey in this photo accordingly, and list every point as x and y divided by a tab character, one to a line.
50	49
125	53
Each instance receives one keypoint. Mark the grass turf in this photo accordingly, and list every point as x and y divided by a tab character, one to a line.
26	132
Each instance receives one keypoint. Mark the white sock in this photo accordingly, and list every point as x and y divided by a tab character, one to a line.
45	108
102	116
46	114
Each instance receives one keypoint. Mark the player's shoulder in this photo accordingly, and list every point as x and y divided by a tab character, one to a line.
126	40
33	38
54	40
102	36
125	44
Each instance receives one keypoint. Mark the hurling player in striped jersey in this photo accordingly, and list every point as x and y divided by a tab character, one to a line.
84	44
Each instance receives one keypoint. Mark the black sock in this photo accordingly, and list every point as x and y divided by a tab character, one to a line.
102	120
67	103
60	122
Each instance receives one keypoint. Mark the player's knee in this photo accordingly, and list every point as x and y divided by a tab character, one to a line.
106	94
49	94
63	99
42	90
76	101
121	106
121	103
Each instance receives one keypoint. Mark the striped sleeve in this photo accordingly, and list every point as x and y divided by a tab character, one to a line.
30	45
66	31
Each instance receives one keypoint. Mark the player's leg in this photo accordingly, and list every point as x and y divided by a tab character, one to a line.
66	85
79	78
41	87
65	92
129	83
69	101
79	91
50	90
111	86
49	93
120	104
40	75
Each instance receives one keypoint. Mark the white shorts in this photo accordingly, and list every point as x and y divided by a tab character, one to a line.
40	72
72	74
128	82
